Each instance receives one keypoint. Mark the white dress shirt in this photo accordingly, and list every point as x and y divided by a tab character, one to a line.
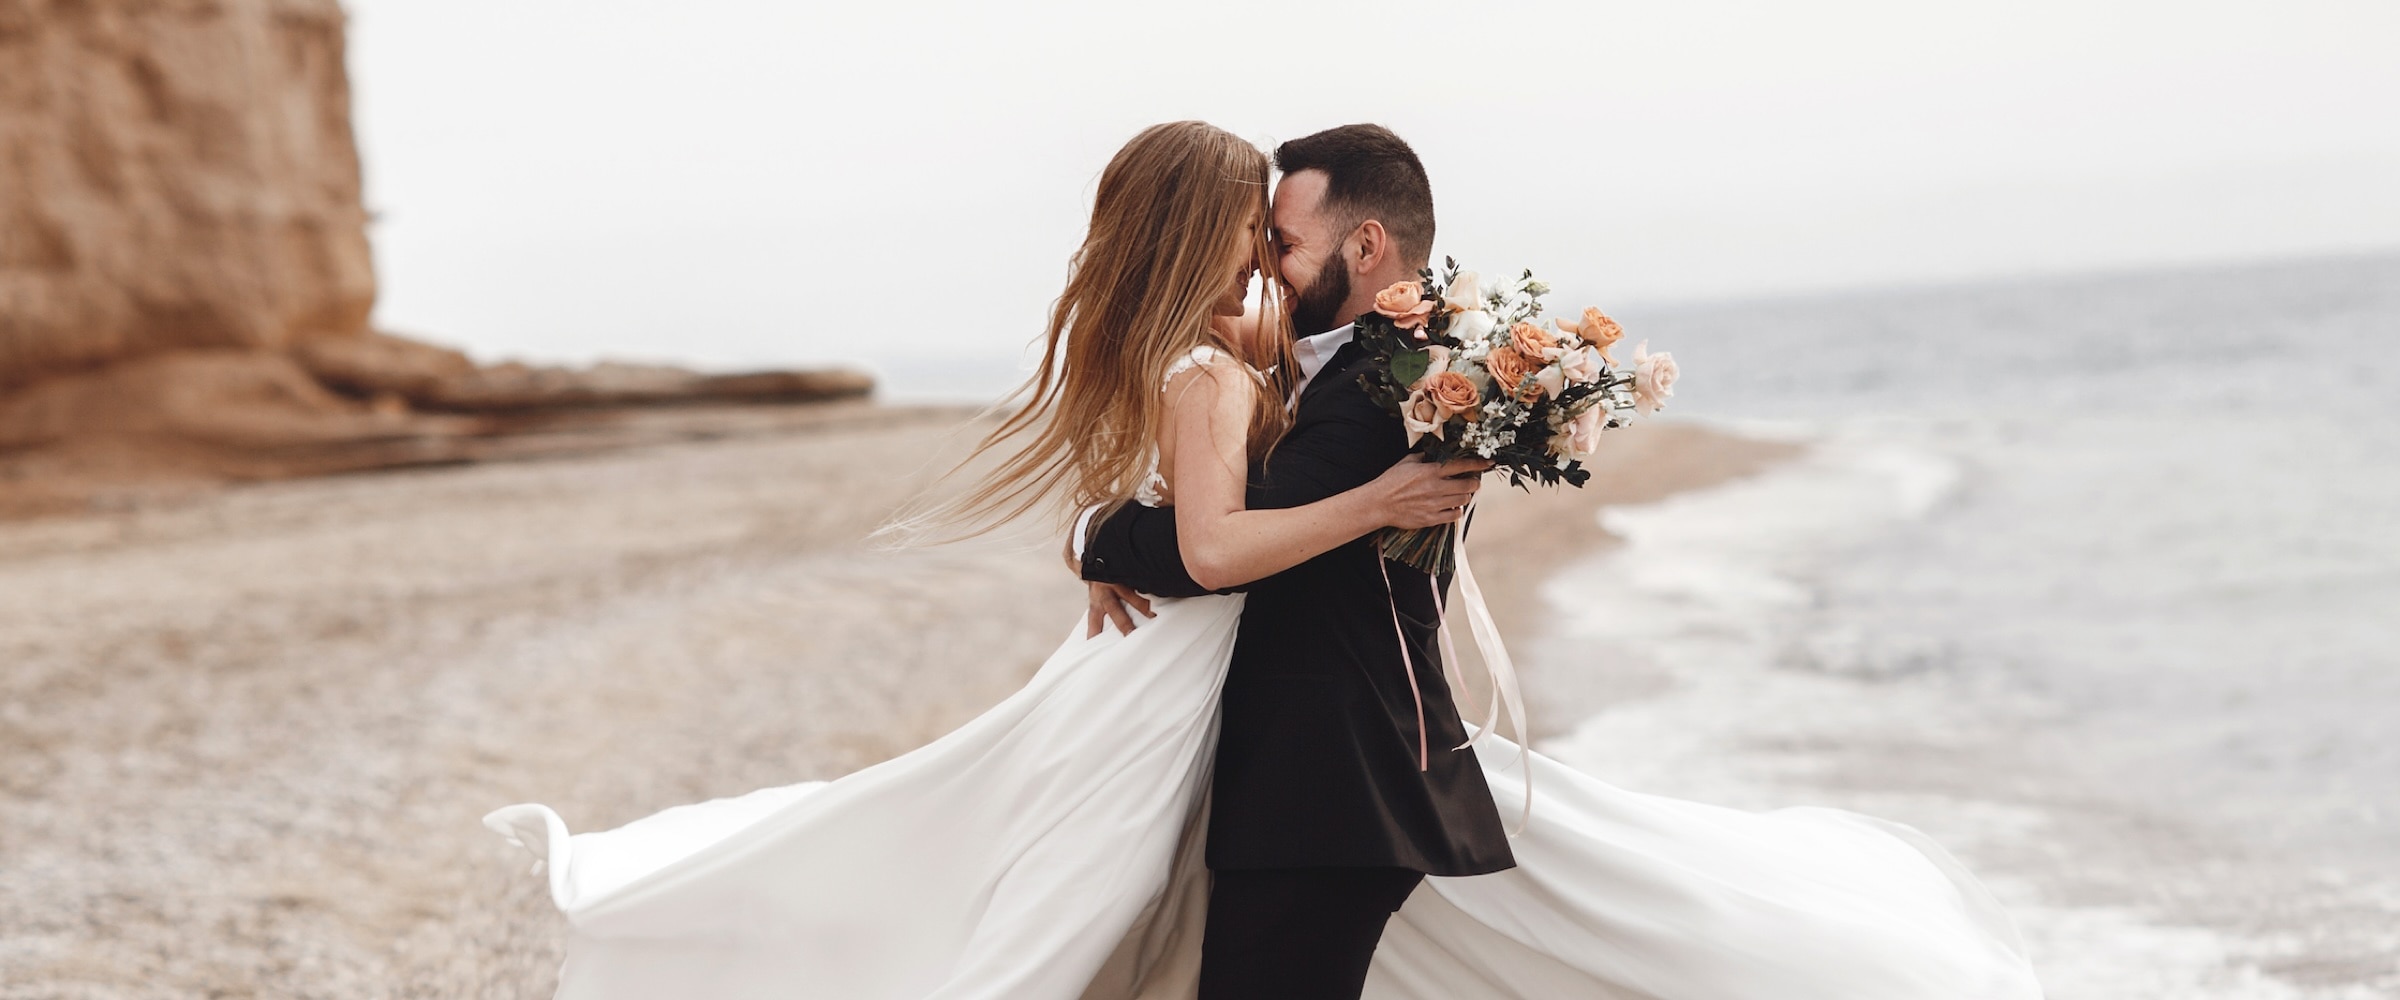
1315	352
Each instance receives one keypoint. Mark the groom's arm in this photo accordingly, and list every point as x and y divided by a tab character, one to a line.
1137	547
1347	443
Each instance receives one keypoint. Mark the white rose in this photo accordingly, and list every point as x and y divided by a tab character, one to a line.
1465	292
1551	380
1581	365
1471	326
1653	378
1420	417
1583	432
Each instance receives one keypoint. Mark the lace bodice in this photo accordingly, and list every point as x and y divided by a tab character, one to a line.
1154	492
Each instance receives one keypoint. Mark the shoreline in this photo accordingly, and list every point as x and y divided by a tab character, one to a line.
1719	655
1522	540
250	729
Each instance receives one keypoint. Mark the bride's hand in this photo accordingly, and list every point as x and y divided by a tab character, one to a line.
1114	604
1415	493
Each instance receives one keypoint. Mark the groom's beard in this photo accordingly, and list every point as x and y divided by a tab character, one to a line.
1314	308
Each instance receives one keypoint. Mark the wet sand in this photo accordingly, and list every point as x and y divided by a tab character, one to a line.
246	735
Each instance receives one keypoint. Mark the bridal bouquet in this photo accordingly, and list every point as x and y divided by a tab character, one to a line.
1471	374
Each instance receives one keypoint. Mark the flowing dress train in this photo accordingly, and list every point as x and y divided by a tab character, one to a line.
1049	849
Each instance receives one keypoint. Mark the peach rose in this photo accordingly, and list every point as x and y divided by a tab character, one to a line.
1653	378
1452	393
1405	304
1508	368
1531	341
1595	329
1421	417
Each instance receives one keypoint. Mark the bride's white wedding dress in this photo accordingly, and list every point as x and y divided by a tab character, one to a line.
1006	859
1050	850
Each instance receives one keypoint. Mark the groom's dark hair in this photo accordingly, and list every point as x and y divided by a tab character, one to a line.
1369	174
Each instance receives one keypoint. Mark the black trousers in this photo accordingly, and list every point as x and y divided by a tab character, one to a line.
1297	933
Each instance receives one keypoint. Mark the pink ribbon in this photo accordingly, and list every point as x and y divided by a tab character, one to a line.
1496	662
1408	659
1503	670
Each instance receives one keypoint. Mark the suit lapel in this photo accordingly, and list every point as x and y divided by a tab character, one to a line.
1332	372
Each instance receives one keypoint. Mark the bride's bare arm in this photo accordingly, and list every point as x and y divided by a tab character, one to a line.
1225	544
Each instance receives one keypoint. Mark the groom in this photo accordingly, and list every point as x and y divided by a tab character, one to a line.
1322	822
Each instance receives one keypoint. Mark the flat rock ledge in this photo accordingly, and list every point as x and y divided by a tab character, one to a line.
183	419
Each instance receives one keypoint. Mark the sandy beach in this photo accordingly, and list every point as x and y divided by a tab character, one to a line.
249	732
511	429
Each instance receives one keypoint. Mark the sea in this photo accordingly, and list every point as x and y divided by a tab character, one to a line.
2095	578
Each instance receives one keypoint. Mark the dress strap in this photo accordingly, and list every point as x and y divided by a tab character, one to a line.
1201	355
1153	490
1206	354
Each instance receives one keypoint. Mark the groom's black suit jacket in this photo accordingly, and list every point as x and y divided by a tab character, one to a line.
1317	758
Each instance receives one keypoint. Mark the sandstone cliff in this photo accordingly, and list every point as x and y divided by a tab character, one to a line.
174	174
185	280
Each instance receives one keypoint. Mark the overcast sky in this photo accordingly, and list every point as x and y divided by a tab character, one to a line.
738	182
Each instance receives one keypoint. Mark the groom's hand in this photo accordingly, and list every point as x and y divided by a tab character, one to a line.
1415	493
1112	603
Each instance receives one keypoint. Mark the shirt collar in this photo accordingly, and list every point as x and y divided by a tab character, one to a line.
1313	352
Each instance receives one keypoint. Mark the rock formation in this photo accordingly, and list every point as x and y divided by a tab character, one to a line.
185	280
174	174
383	367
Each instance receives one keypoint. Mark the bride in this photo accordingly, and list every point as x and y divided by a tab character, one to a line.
1052	847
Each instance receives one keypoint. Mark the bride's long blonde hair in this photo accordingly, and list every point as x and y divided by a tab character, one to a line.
1163	247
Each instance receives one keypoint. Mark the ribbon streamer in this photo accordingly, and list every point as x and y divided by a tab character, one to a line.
1450	669
1505	692
1503	671
1407	659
